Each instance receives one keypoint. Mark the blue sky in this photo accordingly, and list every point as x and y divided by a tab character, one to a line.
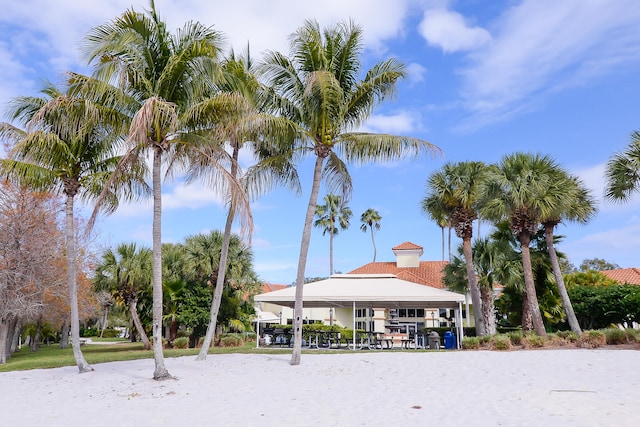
555	77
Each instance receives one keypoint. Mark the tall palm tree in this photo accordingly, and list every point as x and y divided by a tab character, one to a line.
159	76
521	188
622	173
233	117
319	89
69	147
576	205
331	217
454	191
126	274
371	220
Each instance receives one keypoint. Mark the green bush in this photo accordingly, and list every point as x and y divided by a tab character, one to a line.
592	339
533	341
231	340
515	337
181	342
111	333
470	343
501	342
568	336
632	335
615	336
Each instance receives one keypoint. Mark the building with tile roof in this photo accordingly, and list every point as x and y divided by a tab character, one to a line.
629	276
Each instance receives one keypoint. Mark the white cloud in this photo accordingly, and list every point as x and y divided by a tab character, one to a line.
449	31
540	46
399	123
415	72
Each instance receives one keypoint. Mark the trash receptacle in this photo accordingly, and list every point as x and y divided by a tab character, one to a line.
449	340
434	340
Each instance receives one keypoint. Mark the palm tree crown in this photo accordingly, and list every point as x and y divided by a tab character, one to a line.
371	220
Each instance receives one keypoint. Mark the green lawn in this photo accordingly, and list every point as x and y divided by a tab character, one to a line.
53	357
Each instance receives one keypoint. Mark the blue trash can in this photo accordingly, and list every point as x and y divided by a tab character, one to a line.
449	340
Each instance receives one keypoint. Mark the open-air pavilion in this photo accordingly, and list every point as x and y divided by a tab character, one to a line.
379	291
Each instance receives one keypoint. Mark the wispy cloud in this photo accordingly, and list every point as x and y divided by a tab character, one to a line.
450	31
541	46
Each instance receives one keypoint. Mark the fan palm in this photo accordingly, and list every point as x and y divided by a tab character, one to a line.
331	217
69	147
158	78
370	220
521	188
126	274
622	173
454	192
319	89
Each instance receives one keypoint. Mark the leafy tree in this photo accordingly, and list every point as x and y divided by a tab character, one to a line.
159	76
126	274
319	90
622	173
331	217
600	307
597	264
454	193
370	220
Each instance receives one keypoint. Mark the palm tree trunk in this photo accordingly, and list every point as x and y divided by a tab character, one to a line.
222	265
373	241
160	372
527	321
473	287
133	311
331	251
486	295
529	285
105	319
442	230
564	295
302	261
83	366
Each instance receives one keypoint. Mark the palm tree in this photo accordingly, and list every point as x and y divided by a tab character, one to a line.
332	217
68	147
371	220
576	205
623	172
126	274
235	119
454	192
159	78
522	189
320	91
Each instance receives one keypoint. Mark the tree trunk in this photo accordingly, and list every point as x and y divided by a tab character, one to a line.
302	261
133	311
4	341
15	340
373	241
222	265
564	295
35	343
442	232
488	315
527	321
12	323
105	319
83	366
529	285
473	287
331	250
160	372
64	337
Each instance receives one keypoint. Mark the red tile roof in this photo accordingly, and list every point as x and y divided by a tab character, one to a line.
270	287
429	273
624	275
407	245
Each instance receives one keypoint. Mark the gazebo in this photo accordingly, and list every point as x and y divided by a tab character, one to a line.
383	291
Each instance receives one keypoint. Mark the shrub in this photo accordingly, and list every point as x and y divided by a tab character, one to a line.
231	340
181	342
592	339
111	333
485	341
515	337
568	336
533	341
615	336
501	342
470	343
632	335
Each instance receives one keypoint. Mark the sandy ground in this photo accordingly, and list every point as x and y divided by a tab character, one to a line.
448	388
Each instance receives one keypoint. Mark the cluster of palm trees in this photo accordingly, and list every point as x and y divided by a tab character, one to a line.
177	100
524	191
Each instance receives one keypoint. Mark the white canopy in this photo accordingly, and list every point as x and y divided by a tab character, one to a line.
365	290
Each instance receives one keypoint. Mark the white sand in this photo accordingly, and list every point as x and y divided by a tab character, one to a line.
448	388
